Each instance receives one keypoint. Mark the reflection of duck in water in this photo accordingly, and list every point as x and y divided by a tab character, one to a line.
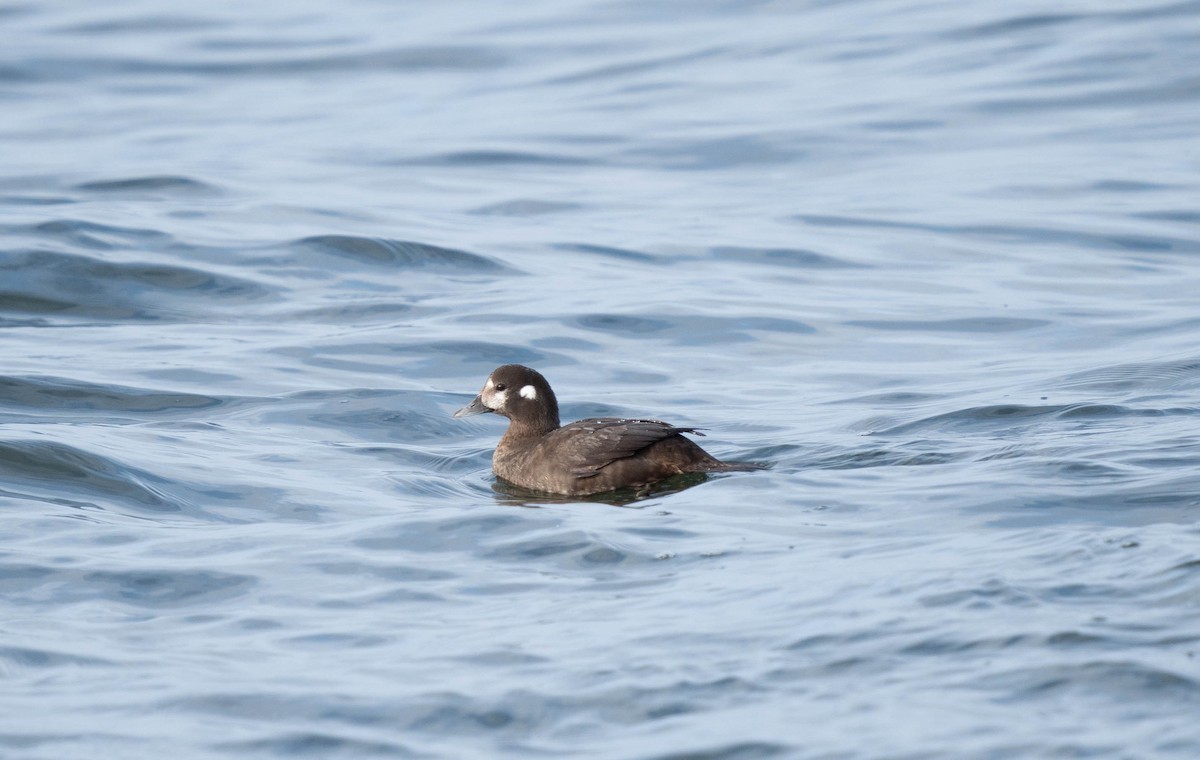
586	457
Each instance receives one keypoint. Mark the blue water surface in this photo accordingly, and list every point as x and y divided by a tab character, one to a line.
936	263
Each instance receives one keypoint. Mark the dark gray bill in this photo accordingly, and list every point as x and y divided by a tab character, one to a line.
475	407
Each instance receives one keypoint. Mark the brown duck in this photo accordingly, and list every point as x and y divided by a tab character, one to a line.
586	457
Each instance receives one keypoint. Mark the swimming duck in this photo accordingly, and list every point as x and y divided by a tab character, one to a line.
585	457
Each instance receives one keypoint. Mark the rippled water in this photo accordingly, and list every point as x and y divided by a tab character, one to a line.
934	262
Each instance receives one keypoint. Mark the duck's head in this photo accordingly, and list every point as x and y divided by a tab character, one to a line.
519	393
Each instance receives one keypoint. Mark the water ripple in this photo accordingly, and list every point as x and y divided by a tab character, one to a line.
314	744
492	158
792	258
691	329
993	417
1145	376
45	658
401	253
75	69
67	395
56	468
153	185
1133	680
61	284
968	325
151	589
1086	240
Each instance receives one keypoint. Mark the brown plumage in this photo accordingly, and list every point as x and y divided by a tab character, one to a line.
586	457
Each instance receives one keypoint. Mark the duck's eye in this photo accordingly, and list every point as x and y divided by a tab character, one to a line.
500	386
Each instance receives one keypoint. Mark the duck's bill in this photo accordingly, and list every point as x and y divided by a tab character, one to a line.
475	407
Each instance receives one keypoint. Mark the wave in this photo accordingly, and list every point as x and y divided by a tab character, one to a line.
58	394
51	284
401	253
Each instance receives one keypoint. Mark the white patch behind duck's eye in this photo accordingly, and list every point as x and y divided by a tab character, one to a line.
529	392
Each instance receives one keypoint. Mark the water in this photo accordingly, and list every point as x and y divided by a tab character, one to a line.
934	262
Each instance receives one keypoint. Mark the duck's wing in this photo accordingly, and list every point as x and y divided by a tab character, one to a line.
592	445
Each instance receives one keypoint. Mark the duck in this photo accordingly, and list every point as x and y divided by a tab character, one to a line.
582	458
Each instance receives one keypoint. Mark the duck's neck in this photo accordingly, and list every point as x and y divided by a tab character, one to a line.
535	428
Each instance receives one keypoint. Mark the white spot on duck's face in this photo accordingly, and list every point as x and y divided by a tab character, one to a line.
490	384
529	392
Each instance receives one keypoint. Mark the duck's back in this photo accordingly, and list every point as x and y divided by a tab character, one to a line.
602	454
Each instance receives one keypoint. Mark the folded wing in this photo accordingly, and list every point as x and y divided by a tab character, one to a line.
597	443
